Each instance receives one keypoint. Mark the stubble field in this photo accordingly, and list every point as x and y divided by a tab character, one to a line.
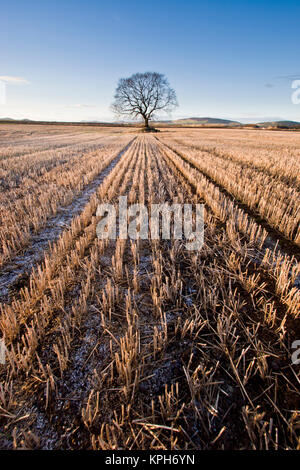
123	344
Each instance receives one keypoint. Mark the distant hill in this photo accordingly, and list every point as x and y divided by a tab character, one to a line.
192	121
205	120
15	120
199	121
280	124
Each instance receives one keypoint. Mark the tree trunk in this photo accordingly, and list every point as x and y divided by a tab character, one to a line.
146	122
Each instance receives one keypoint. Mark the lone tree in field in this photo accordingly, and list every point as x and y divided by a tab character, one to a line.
142	95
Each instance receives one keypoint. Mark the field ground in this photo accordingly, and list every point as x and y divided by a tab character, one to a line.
143	344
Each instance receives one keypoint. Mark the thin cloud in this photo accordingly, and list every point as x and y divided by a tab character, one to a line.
296	76
269	85
14	80
81	106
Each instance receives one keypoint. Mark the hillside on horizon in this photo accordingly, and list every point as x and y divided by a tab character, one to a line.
205	120
285	124
192	121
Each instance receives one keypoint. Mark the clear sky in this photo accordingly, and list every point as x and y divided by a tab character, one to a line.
61	60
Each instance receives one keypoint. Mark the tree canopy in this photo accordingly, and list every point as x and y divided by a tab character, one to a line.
143	94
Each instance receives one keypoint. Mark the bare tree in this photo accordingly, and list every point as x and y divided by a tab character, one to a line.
143	94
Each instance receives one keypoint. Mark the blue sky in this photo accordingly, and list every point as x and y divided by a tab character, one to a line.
61	60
